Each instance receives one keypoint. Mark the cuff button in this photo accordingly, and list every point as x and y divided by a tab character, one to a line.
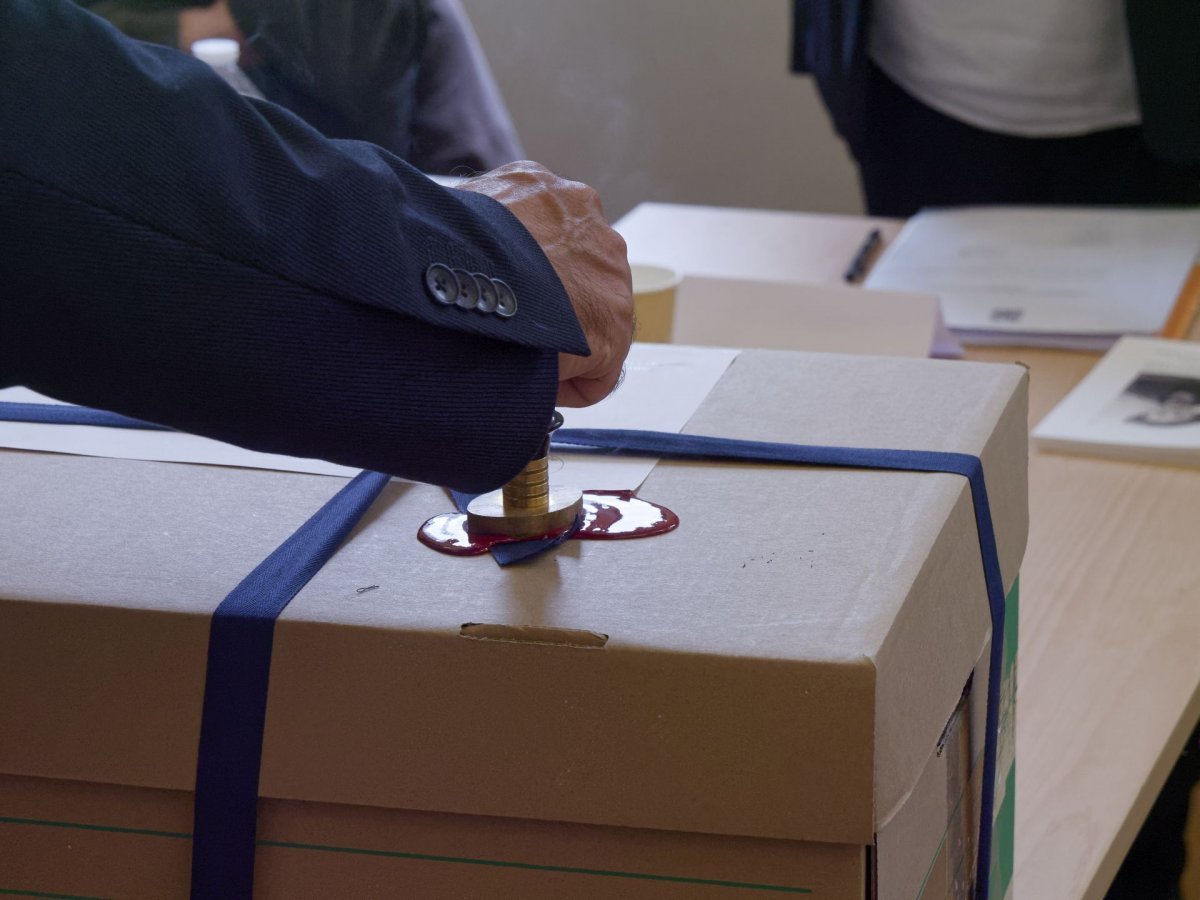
468	290
489	297
441	284
506	300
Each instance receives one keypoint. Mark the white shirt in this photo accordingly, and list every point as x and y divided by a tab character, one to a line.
1033	68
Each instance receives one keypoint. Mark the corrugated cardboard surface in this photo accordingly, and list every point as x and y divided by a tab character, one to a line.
778	667
89	840
929	847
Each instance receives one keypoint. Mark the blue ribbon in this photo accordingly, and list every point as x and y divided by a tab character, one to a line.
239	654
692	446
235	692
63	414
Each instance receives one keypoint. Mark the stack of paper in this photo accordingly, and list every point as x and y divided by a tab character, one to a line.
1040	276
1140	402
769	315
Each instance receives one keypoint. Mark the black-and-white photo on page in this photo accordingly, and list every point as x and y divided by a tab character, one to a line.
1141	401
1162	400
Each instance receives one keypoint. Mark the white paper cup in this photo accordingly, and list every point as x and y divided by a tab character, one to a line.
654	289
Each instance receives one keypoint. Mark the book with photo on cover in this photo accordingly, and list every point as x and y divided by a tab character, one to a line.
1140	402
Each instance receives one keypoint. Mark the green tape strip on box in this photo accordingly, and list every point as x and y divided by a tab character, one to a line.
1004	829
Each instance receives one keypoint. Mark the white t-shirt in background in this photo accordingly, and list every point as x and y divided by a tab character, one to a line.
1032	68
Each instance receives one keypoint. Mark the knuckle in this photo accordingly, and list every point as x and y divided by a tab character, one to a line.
619	245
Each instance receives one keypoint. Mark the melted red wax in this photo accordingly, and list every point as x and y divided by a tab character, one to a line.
613	515
607	516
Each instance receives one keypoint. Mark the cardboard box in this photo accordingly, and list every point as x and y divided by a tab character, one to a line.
782	697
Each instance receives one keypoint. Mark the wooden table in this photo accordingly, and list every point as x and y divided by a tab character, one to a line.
1109	664
1109	679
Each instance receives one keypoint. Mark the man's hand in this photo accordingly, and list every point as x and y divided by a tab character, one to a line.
566	219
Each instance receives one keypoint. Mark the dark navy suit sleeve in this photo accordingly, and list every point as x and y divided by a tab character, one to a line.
175	252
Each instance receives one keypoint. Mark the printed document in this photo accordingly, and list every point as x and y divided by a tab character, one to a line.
1048	276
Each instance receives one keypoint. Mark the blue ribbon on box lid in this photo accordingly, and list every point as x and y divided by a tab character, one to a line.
242	630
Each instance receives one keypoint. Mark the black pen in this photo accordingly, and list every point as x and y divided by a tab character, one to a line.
862	259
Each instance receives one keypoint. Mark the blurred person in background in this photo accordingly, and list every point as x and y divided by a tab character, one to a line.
408	75
950	102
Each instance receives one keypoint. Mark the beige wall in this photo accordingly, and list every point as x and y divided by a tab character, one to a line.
687	101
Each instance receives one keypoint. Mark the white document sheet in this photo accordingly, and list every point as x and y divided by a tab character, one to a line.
1085	273
745	243
820	318
129	443
663	387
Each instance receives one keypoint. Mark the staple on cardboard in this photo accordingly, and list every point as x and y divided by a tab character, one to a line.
534	634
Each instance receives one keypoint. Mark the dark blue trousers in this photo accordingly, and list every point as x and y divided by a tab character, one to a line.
913	156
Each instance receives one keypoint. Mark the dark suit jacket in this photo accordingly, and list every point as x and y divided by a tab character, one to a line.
829	41
178	253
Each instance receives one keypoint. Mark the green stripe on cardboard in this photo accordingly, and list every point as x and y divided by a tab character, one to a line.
426	857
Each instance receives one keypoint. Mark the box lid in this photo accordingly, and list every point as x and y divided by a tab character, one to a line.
779	666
